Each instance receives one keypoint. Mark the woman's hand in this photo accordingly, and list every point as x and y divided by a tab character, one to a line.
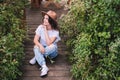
45	27
42	49
37	43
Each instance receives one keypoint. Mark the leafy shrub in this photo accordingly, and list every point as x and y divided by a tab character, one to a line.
97	27
12	31
11	50
11	13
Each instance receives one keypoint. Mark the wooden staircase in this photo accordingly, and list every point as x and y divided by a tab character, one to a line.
60	70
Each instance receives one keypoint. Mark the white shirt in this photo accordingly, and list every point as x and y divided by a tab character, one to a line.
52	33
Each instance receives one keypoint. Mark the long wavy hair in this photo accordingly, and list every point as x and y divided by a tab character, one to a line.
53	23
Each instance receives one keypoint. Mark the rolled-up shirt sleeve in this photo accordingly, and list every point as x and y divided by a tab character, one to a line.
56	34
38	30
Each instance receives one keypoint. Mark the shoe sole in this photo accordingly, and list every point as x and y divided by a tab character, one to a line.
44	75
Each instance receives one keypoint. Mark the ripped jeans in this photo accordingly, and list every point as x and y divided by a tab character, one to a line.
50	51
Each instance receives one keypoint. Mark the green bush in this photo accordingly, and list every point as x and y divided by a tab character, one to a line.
93	29
11	56
13	32
11	15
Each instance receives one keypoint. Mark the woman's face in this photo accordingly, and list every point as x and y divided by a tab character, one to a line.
45	20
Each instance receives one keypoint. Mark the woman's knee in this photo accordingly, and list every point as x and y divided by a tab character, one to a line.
52	46
35	46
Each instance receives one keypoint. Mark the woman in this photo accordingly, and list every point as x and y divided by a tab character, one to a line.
45	39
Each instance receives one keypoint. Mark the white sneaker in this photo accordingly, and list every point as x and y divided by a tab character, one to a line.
44	71
32	61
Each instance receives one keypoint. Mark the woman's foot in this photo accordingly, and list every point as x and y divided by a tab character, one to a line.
32	61
44	71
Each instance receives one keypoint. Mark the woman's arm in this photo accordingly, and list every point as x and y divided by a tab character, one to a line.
36	41
49	40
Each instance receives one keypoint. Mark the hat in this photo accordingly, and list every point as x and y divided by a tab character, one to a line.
51	14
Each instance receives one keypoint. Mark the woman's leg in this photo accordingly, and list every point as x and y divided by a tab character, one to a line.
39	56
51	51
41	61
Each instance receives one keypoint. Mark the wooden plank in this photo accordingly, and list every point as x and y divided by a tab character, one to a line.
50	73
47	78
61	67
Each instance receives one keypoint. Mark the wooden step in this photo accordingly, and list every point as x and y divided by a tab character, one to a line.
60	69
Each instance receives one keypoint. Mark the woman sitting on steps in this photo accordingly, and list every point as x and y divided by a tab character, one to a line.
45	39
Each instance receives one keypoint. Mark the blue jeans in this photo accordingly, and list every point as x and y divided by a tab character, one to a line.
50	51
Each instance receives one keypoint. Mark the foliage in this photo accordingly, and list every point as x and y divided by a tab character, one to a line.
93	29
57	0
11	13
11	50
71	23
12	31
